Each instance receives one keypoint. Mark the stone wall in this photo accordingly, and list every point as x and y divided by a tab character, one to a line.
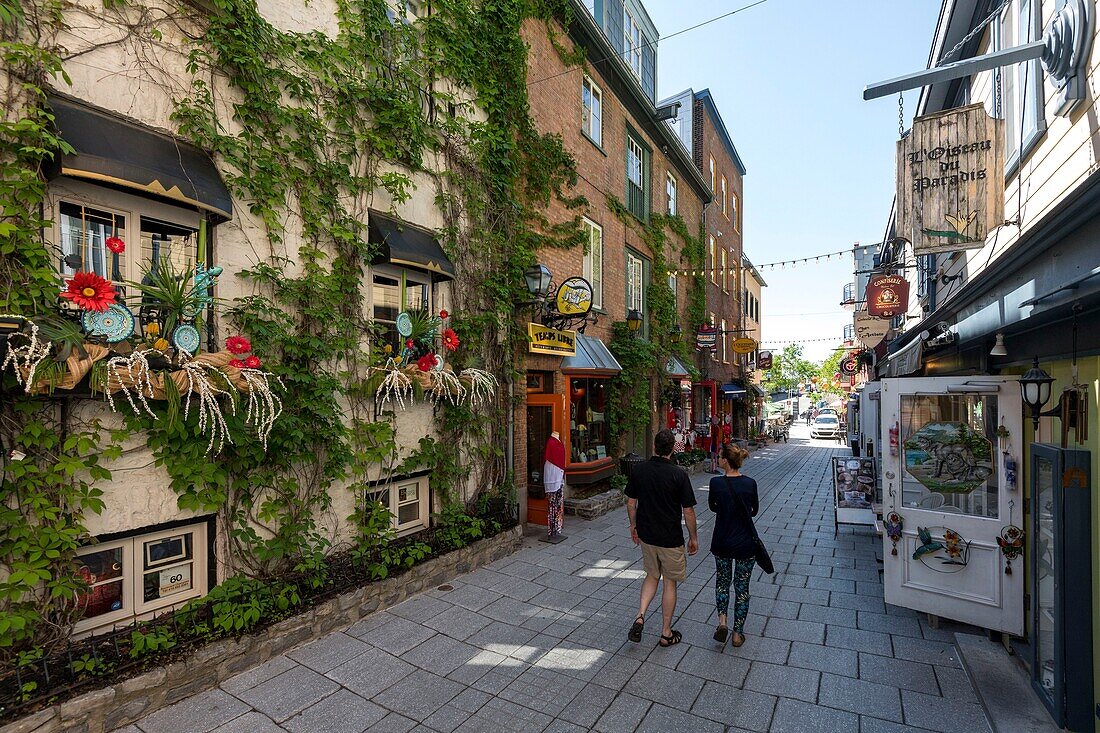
125	702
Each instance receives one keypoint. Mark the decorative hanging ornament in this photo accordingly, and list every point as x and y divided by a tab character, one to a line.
114	324
1011	543
404	324
185	337
893	525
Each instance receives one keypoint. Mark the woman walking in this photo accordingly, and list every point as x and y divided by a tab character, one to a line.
734	500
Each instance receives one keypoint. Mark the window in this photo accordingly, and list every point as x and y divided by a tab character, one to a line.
725	354
593	261
135	576
672	287
735	211
637	178
712	260
632	43
394	290
635	283
670	192
592	111
713	176
725	199
587	419
1019	25
407	502
725	273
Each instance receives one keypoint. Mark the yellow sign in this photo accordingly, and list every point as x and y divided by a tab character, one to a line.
574	297
546	340
744	346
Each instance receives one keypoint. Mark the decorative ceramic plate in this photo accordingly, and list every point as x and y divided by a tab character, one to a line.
438	365
114	324
404	324
186	338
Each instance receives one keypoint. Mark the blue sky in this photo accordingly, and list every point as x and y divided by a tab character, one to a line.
788	78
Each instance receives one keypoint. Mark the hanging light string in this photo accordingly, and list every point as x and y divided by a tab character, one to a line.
776	342
767	266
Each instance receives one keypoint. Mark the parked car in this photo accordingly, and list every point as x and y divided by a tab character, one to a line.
827	411
825	426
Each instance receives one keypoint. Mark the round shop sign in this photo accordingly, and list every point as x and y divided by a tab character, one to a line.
849	365
744	346
574	297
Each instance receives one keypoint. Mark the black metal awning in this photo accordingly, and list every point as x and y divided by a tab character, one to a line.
408	246
111	150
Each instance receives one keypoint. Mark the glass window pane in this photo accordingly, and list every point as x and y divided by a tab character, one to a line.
169	581
164	241
587	420
386	296
416	296
84	233
408	492
407	513
166	550
103	571
1047	579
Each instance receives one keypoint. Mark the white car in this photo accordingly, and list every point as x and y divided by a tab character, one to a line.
825	426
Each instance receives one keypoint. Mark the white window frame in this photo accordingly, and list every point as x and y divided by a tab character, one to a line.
1007	34
725	272
635	157
393	490
725	353
712	254
725	199
632	43
635	281
134	571
593	260
592	110
670	193
735	213
713	176
672	287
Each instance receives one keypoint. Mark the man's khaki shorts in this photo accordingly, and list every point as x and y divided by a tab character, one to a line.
669	563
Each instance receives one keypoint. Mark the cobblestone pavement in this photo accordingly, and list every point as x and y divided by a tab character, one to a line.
537	642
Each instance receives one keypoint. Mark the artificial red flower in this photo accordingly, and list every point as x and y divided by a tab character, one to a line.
90	291
252	362
409	343
450	340
426	363
236	363
116	245
443	314
238	345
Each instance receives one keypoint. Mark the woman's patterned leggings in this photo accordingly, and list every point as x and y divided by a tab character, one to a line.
739	572
553	502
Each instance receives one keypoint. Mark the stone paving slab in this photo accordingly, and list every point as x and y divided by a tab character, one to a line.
537	642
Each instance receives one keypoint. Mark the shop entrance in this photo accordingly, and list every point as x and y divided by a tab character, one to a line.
544	415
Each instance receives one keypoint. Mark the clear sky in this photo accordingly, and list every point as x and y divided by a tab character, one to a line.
788	78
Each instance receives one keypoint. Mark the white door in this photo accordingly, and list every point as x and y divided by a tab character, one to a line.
944	443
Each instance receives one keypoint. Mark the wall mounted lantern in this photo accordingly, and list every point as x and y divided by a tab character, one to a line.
538	279
1035	388
634	320
676	333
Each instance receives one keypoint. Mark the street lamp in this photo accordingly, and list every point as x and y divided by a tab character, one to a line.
1035	388
538	280
633	320
676	333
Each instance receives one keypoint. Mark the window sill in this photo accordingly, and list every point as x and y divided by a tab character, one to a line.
595	144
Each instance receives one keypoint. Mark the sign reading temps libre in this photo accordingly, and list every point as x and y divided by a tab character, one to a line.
950	182
546	340
574	297
744	346
870	330
887	295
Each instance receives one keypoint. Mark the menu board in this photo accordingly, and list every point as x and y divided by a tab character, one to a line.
854	484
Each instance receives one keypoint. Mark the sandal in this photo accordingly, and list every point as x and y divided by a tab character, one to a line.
735	642
635	634
721	634
672	639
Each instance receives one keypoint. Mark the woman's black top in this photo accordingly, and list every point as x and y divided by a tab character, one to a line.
732	536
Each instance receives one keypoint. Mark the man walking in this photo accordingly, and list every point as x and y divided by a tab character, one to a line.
658	494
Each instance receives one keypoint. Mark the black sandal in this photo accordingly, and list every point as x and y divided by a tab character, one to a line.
672	639
635	634
721	634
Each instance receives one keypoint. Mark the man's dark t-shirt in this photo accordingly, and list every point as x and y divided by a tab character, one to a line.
662	490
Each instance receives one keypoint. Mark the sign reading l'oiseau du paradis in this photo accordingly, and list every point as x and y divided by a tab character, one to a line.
950	180
546	340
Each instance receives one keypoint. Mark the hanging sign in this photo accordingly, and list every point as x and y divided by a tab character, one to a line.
870	330
706	338
950	186
744	346
849	365
574	297
764	360
887	295
546	340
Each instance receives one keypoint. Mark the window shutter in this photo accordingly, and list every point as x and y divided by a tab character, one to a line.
613	27
649	70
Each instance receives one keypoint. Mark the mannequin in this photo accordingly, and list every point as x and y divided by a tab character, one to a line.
553	478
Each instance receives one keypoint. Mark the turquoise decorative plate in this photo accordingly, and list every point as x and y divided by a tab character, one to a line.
404	324
114	324
186	338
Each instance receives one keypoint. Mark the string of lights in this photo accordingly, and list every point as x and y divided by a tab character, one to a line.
767	266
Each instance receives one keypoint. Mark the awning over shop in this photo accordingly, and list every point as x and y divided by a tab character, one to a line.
592	356
905	361
732	390
758	390
112	150
675	369
408	246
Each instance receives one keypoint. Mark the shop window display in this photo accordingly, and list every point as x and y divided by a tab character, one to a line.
587	420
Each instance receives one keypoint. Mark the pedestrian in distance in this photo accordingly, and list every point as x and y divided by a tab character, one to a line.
658	494
734	500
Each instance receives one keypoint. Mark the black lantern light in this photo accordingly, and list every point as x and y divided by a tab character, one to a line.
1035	388
538	278
633	320
676	333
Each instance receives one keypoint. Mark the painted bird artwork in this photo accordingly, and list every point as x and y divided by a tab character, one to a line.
927	544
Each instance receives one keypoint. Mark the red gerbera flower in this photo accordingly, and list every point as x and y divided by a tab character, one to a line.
409	343
450	340
116	245
426	363
252	362
90	291
238	345
236	363
443	314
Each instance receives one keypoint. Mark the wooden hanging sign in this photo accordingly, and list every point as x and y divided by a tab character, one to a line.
950	180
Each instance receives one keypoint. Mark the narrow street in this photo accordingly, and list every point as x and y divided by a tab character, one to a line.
537	642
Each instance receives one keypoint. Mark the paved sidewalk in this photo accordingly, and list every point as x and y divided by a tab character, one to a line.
537	642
